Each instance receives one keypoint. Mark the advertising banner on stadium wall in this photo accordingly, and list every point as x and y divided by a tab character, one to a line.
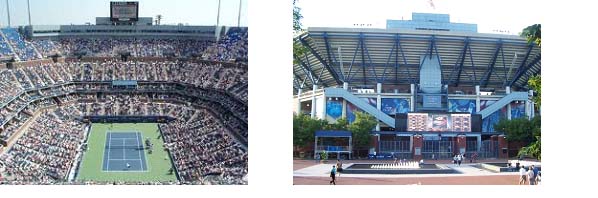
517	110
488	122
461	105
334	109
392	106
371	101
351	109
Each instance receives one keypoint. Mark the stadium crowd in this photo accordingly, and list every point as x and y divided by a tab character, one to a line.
41	104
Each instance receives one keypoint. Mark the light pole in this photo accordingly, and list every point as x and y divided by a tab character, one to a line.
8	12
218	16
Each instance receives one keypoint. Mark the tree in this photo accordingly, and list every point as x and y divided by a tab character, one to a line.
533	34
298	49
534	83
524	130
304	128
519	129
296	17
341	124
361	128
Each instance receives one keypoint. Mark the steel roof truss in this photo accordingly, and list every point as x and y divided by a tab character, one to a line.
486	77
521	68
313	52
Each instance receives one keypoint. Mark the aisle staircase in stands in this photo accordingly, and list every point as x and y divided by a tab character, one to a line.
9	46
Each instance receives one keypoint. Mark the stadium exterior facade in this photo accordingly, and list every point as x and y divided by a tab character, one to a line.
396	74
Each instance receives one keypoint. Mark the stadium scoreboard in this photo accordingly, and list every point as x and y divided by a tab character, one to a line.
439	122
124	11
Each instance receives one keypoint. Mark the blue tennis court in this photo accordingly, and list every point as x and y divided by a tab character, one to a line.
124	152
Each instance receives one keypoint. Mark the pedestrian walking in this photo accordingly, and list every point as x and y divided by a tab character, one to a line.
531	177
333	175
522	175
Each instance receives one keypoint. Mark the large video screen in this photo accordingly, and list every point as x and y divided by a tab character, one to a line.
439	122
124	11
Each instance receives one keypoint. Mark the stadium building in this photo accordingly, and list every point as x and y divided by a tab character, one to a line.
436	88
123	101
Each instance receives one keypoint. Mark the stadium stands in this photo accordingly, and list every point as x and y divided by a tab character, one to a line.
42	106
23	49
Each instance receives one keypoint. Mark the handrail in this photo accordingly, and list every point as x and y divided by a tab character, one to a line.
502	102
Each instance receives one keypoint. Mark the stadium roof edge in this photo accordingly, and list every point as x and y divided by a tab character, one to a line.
420	32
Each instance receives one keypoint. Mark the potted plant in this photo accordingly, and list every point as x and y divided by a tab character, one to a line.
323	157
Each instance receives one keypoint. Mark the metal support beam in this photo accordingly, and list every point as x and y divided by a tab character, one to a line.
362	57
331	55
460	62
524	70
326	65
473	65
397	39
308	72
504	65
388	62
428	54
521	69
488	72
365	47
406	81
351	65
302	84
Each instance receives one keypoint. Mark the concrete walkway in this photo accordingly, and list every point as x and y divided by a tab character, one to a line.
323	170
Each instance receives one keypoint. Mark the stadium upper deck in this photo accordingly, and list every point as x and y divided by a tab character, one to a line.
363	57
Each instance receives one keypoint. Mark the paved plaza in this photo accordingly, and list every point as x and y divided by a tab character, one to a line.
308	172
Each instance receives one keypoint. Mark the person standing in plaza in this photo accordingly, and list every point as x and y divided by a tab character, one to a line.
522	175
459	158
531	177
333	175
455	159
339	167
535	170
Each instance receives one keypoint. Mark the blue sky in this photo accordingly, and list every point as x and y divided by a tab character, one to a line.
506	15
62	12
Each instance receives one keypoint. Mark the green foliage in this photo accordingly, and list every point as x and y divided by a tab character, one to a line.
522	129
361	128
296	17
323	155
533	150
533	34
298	49
304	128
534	83
519	129
342	124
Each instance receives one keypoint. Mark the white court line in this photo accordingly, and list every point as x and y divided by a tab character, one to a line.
138	151
109	140
124	145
